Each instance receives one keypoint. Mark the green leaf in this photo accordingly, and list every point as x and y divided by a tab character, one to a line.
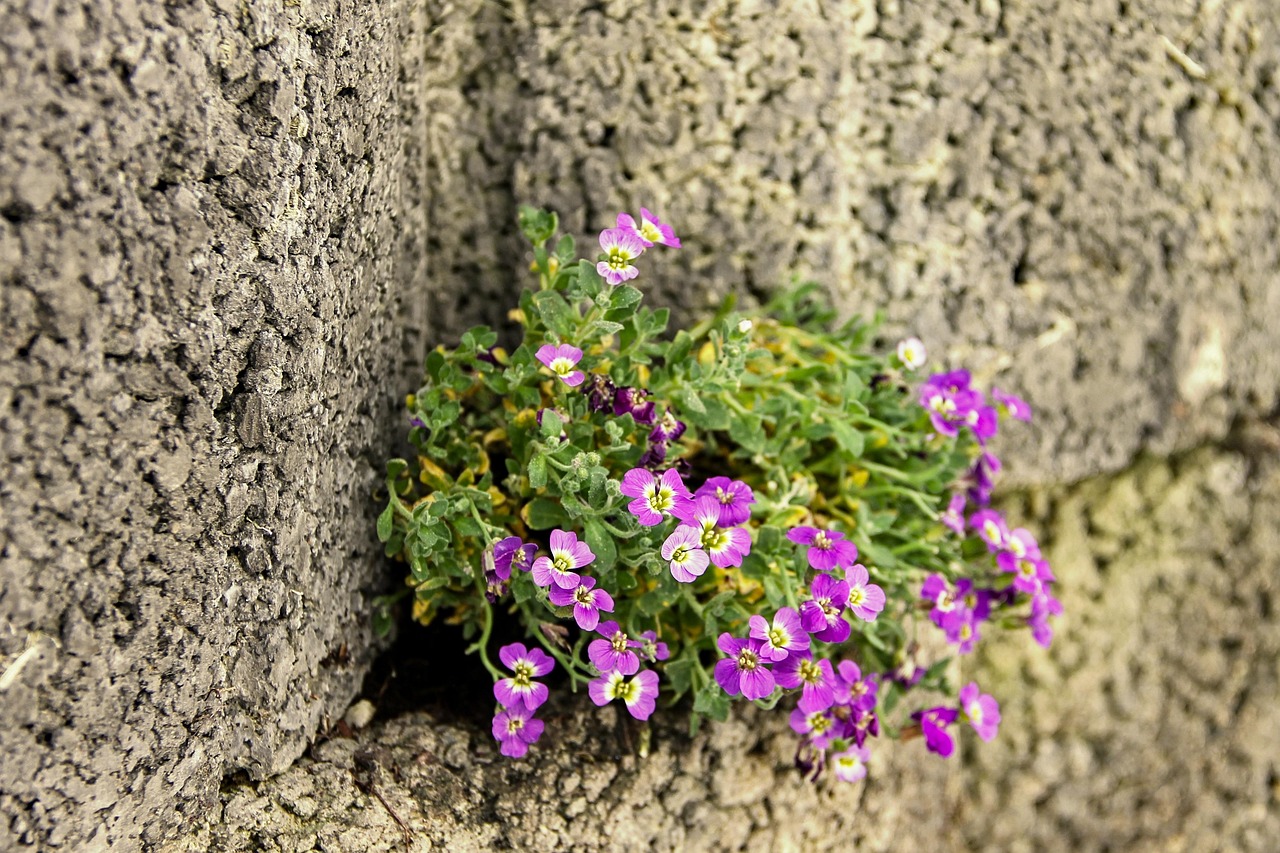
537	225
555	312
601	543
386	521
565	249
538	471
680	673
712	701
552	424
624	296
691	404
849	439
544	514
714	414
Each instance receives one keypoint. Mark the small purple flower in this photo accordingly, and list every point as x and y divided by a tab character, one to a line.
815	679
613	653
866	599
725	547
828	549
495	587
1042	607
734	496
961	628
982	419
520	689
981	478
620	248
667	429
981	710
654	456
1012	406
991	528
817	727
1030	574
516	729
654	497
744	670
823	616
851	765
588	602
512	553
933	725
632	401
567	554
639	693
953	515
649	230
651	649
854	691
785	637
948	399
561	360
600	392
683	549
1021	543
414	420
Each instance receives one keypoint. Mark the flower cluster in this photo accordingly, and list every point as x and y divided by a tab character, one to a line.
760	509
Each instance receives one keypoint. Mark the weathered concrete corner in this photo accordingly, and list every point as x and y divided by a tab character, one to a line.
207	215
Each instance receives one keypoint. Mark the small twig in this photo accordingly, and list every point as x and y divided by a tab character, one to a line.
1194	69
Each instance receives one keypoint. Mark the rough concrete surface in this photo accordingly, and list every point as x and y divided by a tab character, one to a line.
1047	192
1153	723
216	224
207	215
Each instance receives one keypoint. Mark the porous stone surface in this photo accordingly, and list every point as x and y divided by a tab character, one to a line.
208	211
1074	199
443	786
1152	723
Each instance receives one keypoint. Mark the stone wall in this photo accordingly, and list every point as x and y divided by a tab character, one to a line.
223	226
208	213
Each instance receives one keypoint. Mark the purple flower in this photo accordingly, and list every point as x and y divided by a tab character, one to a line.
1030	574
786	636
982	419
587	602
1012	406
948	399
744	670
991	528
651	649
520	689
866	599
495	587
851	765
620	248
667	429
734	496
1042	607
854	691
1020	543
961	628
933	725
981	710
516	729
815	679
631	401
981	478
654	498
683	549
567	554
639	692
512	553
823	615
654	456
613	653
817	727
649	230
414	420
828	549
600	392
725	547
953	515
562	360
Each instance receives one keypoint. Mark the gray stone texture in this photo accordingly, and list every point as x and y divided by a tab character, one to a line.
208	212
217	221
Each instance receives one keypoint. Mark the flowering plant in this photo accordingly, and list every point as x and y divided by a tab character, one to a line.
757	508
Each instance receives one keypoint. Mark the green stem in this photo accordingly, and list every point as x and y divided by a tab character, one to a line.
482	645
